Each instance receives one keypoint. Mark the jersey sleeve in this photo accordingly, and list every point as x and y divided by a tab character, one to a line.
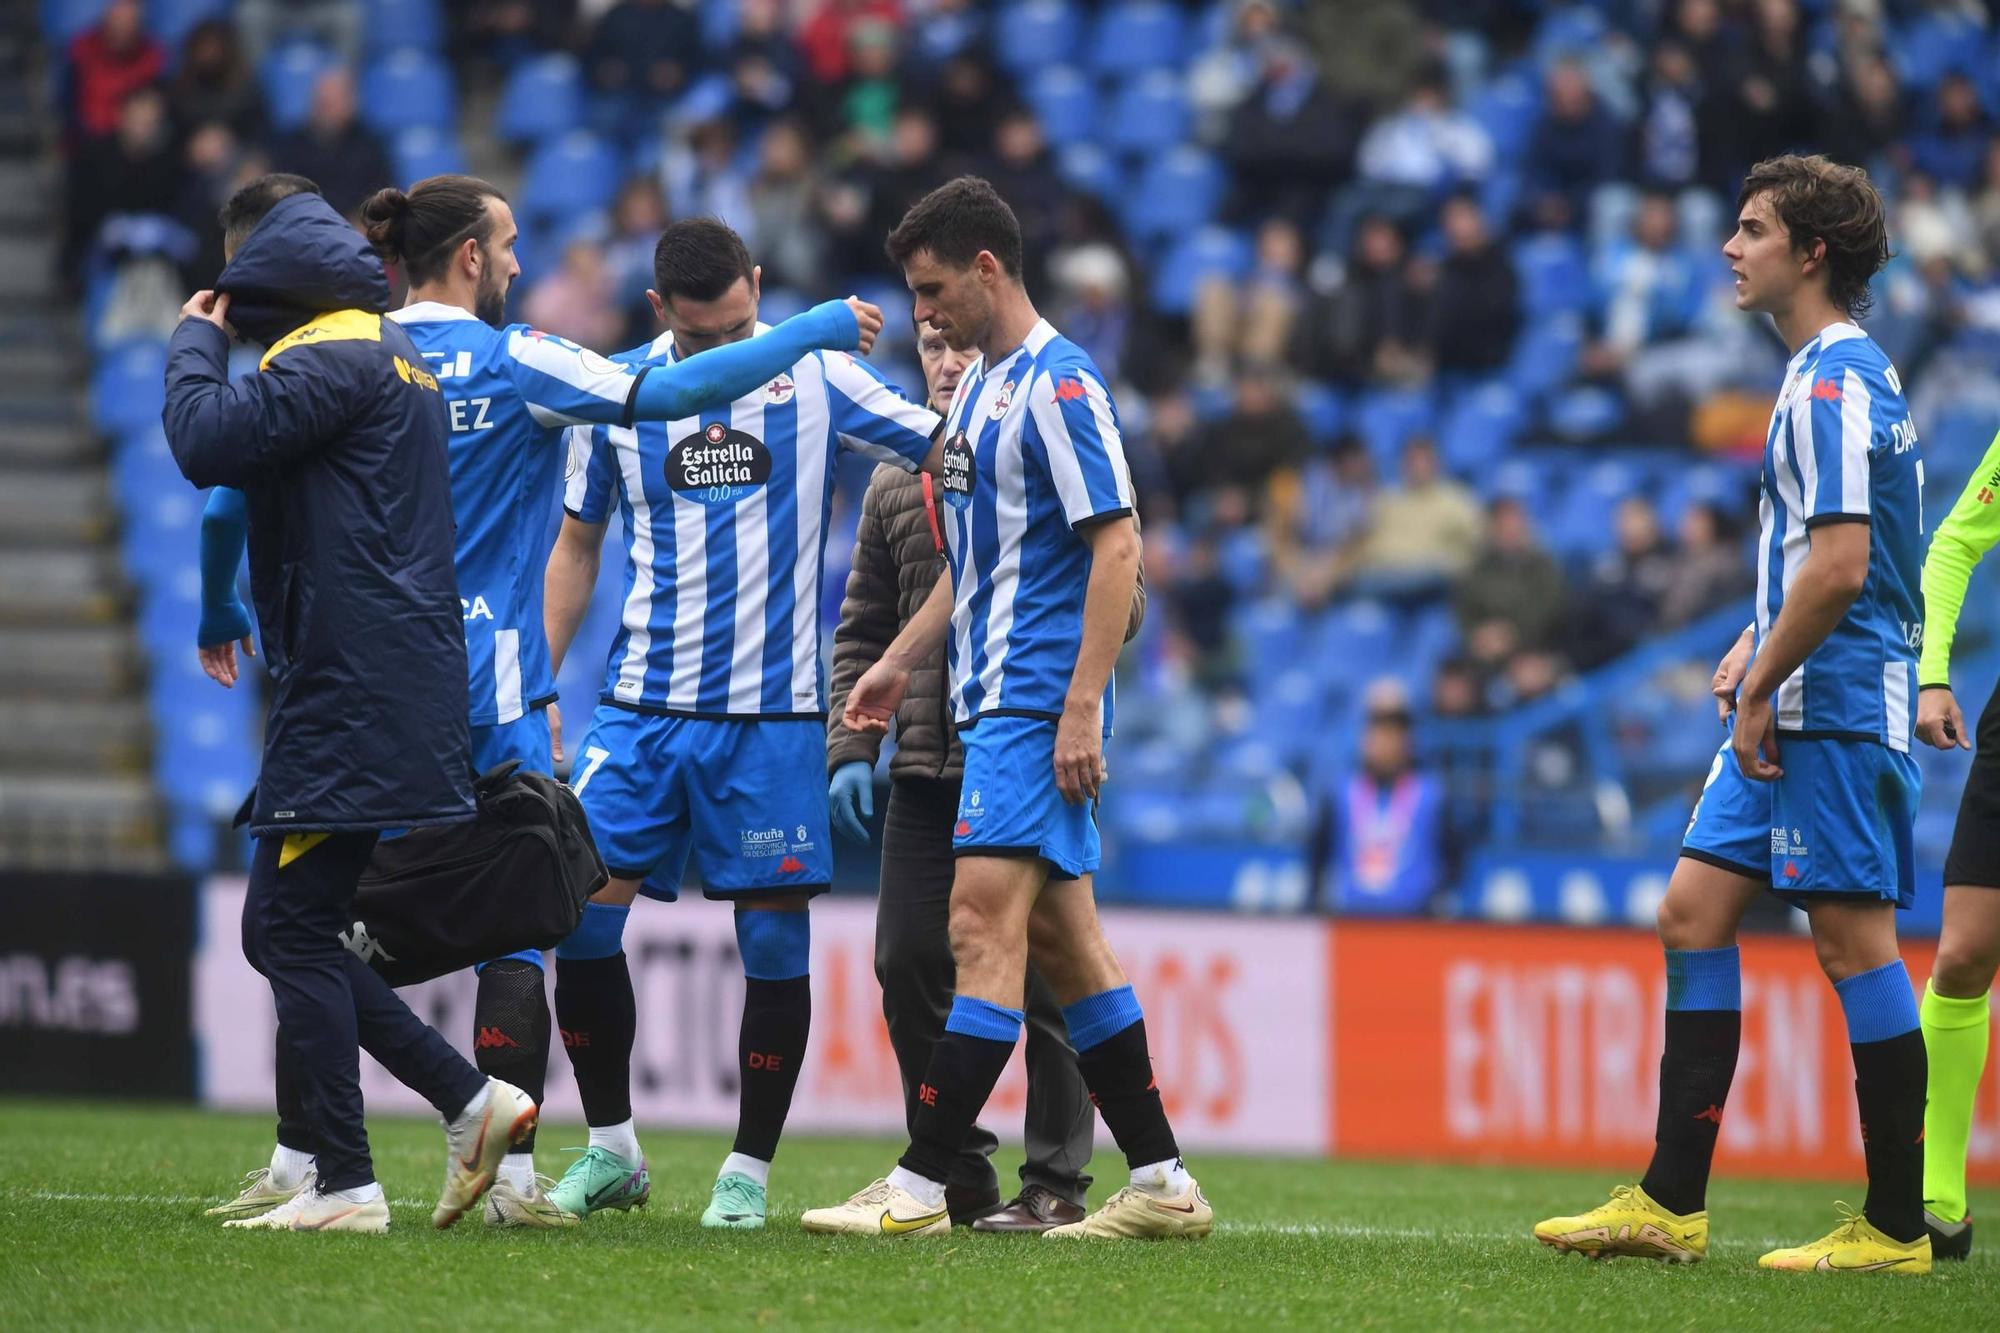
1086	453
563	384
591	473
872	417
1833	423
1968	532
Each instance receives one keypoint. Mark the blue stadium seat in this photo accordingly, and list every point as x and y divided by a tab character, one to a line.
1481	425
1086	167
1177	192
394	25
1065	102
541	99
1036	33
407	89
1385	419
1323	409
1506	108
172	20
287	74
570	175
1268	630
143	465
1585	413
425	152
64	20
1209	252
1149	114
1554	275
1135	35
1544	355
128	389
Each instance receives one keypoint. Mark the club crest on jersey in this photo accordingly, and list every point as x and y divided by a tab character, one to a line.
718	465
1004	401
780	390
958	471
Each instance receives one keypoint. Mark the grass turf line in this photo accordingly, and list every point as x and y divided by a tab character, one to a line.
101	1226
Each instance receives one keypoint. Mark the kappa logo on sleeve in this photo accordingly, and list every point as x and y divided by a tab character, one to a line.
1826	391
1069	390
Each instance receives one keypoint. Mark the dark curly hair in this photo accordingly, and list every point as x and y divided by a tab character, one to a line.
1818	199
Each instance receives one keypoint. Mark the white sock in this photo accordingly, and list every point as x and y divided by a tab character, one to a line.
518	1170
474	1108
289	1166
1168	1179
359	1194
619	1138
928	1192
737	1164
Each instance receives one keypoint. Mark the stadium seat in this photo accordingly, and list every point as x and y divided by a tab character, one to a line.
128	390
1585	413
1481	425
406	89
287	76
1209	252
63	20
394	25
1176	193
1323	409
1134	35
1087	167
425	152
1554	275
1385	419
143	467
542	98
1065	102
1506	109
1545	354
1037	33
565	176
172	20
1149	114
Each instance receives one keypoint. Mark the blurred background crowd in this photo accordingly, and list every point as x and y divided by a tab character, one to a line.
1444	427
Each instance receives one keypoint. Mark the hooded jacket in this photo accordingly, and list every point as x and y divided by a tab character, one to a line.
338	444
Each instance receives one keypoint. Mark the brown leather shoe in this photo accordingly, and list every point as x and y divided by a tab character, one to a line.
969	1205
1037	1208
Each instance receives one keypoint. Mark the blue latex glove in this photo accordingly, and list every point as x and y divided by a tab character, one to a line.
852	796
225	526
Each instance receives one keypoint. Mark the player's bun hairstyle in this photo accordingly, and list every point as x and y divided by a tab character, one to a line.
1818	199
955	222
422	229
699	258
247	207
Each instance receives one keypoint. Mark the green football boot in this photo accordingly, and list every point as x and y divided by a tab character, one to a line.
601	1179
738	1202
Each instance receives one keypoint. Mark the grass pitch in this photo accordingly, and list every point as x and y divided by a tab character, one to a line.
101	1227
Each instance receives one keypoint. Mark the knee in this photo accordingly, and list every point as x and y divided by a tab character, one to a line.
1682	925
1842	955
1964	968
975	933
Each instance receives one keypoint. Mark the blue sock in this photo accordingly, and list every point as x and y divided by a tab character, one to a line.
1878	1004
983	1018
1704	979
776	946
1095	1019
601	933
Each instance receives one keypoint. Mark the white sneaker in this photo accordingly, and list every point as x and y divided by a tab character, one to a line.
507	1206
475	1145
259	1196
882	1209
1133	1214
309	1210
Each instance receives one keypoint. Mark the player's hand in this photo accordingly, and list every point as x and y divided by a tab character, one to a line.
211	306
1080	770
1756	739
1729	675
555	733
851	799
218	660
869	317
872	703
1939	722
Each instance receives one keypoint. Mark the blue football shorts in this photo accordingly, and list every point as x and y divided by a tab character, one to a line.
526	738
1838	824
745	800
1009	804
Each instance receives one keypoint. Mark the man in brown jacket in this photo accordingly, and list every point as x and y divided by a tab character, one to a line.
898	555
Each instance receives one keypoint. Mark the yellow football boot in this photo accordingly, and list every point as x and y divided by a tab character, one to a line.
1630	1223
1855	1246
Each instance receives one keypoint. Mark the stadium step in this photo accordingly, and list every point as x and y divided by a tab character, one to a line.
59	585
65	820
99	662
28	269
40	506
49	443
26	187
102	737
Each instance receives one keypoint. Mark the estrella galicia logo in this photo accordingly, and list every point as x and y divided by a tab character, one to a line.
718	465
958	471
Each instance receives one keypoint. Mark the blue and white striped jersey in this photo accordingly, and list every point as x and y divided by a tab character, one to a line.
725	517
1842	448
510	393
1032	452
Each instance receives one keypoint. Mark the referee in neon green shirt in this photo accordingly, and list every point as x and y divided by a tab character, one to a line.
1954	1013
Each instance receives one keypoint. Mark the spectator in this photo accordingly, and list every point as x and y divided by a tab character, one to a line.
1265	439
1381	828
1254	320
1023	171
1289	140
700	173
1512	584
868	208
947	27
643	52
1986	207
1576	145
1622	599
1427	145
638	215
215	85
1426	530
1318	526
1863	116
1093	302
970	98
216	165
789	239
1669	144
1370	325
1201	598
1457	690
132	171
1707	569
334	148
869	96
827	37
1175	438
576	301
1774	106
1475	298
334	24
764	65
107	64
1648	288
1953	150
1222	76
513	30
